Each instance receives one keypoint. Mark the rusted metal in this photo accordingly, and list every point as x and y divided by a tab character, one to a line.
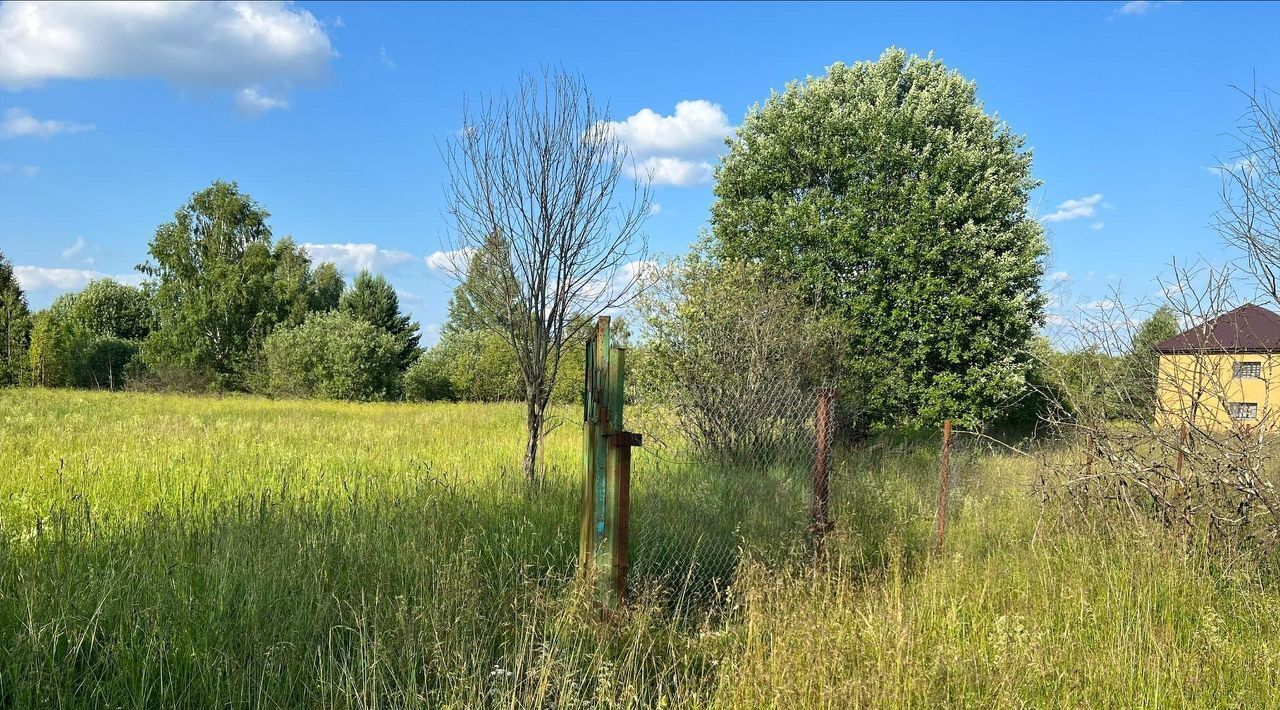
820	507
621	439
622	522
941	529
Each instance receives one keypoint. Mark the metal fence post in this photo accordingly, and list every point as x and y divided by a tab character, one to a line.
941	529
820	509
606	491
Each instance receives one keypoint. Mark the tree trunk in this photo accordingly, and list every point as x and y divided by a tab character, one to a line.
535	419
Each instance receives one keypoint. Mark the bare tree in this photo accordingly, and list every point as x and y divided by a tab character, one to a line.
1193	463
1250	215
536	191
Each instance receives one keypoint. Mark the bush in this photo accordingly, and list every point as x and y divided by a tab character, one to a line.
734	355
90	338
332	355
479	366
427	379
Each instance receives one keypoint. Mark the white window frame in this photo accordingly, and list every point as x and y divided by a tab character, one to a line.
1242	410
1238	369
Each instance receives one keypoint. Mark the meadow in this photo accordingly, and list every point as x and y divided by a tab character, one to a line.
172	551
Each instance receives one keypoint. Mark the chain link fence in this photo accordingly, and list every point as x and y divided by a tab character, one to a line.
737	470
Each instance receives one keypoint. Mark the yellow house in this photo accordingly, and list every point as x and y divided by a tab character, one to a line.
1223	373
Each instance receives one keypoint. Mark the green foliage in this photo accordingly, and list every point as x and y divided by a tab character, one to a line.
90	338
51	360
221	286
15	327
1141	362
486	295
106	361
427	379
731	352
1088	380
292	283
373	299
479	366
327	286
109	308
893	201
332	355
237	552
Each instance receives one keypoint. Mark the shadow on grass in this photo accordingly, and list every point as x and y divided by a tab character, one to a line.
393	590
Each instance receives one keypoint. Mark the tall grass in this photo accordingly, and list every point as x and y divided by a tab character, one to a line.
163	551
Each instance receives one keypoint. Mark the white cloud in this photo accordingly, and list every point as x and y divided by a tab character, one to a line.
673	171
1139	7
38	278
251	101
1075	209
28	170
677	149
697	126
1097	226
230	45
18	122
1105	304
357	257
642	271
455	261
74	249
655	208
431	334
1247	164
1059	277
386	58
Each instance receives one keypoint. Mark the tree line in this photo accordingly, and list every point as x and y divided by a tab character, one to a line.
224	307
877	209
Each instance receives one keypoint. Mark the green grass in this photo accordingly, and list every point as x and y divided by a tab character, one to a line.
165	551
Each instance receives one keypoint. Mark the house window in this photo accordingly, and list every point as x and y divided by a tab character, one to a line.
1248	369
1243	410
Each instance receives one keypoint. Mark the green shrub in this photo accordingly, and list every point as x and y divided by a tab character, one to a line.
90	338
479	366
427	379
332	355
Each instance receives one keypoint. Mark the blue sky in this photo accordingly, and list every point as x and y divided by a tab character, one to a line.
330	114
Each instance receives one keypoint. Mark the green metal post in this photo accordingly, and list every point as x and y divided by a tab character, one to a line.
605	529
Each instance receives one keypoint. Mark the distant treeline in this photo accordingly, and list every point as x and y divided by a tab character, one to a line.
227	308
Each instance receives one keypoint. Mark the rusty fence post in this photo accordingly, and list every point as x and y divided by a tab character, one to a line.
820	508
941	530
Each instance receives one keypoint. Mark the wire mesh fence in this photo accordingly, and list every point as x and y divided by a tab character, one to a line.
733	471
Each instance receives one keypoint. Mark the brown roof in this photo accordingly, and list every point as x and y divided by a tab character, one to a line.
1247	329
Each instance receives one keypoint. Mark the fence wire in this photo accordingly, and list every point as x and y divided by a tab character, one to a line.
723	475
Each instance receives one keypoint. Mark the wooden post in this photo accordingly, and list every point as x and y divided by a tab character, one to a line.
820	509
1088	456
1182	448
941	530
606	489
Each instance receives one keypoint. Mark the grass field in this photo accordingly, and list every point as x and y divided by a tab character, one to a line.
166	551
